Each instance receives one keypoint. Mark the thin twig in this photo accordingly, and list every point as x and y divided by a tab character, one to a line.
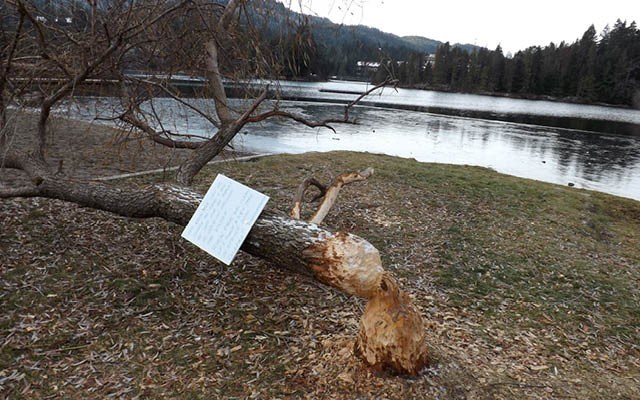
176	98
522	385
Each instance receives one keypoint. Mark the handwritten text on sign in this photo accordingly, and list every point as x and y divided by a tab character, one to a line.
224	218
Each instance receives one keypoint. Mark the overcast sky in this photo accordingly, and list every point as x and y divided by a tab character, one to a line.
514	24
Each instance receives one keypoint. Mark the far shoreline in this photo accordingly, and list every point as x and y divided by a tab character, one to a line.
518	96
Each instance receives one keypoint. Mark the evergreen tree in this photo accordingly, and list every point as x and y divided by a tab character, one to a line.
496	71
586	54
442	68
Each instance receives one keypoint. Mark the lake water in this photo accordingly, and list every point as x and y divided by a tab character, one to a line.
603	155
536	112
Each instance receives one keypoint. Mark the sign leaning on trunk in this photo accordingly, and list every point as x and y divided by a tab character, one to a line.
224	218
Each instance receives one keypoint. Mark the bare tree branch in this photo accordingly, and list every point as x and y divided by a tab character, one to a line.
74	78
297	118
158	137
213	68
324	123
169	93
228	13
12	49
216	85
67	35
387	82
298	198
45	54
4	79
244	118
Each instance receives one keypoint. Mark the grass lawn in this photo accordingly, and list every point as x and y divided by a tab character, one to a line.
529	290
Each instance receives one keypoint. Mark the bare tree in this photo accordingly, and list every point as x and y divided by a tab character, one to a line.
54	55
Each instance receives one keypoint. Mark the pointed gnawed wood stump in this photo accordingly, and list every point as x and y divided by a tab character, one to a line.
392	335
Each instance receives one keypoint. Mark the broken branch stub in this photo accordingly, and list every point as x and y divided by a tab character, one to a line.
332	192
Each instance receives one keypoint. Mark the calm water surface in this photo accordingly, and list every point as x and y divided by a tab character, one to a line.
607	163
538	112
602	161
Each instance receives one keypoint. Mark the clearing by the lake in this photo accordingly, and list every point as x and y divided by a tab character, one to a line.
529	290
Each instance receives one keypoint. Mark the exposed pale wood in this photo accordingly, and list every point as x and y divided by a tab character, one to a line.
392	332
333	190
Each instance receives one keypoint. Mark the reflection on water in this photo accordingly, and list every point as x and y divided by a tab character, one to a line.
607	163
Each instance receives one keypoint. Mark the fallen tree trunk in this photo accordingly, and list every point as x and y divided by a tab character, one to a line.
391	332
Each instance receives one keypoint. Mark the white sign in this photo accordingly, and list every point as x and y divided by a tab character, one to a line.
224	218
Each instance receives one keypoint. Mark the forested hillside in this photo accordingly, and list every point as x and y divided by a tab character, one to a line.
601	67
320	47
596	68
300	45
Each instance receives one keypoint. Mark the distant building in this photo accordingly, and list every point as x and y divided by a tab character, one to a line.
366	67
